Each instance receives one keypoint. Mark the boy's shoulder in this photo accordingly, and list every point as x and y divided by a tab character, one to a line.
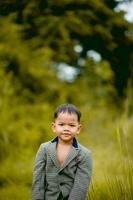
84	155
45	145
84	150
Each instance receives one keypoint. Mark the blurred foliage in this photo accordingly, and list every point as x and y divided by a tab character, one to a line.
35	37
60	26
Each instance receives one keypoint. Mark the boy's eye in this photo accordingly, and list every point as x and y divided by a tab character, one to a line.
60	124
72	125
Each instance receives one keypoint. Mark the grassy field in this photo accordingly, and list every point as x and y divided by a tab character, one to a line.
113	163
109	136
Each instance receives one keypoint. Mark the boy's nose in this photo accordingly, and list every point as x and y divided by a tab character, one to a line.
66	127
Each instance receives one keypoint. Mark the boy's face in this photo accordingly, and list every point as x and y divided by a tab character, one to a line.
66	126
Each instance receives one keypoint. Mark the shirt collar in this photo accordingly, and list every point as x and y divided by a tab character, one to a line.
74	143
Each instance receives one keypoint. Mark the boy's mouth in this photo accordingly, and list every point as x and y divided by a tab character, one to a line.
66	134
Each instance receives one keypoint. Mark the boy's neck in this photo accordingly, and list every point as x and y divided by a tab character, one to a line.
60	142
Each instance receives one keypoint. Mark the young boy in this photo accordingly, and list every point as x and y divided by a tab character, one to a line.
63	167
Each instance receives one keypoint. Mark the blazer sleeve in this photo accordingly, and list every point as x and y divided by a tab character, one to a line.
38	183
82	178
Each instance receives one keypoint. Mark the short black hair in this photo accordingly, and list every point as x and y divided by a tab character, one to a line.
70	108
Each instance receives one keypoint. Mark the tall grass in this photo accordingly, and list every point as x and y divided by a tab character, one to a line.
109	139
115	186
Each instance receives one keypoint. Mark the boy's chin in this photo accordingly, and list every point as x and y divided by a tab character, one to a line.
66	139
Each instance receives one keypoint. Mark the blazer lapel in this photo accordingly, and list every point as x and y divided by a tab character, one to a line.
52	152
73	153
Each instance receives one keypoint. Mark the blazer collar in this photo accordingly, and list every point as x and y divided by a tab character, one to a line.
72	154
74	143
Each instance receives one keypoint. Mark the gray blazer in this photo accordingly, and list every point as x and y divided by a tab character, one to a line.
53	182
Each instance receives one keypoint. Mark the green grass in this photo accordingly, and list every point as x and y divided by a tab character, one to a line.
15	192
111	143
115	180
118	187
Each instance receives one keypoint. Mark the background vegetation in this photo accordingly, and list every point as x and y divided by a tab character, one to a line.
53	52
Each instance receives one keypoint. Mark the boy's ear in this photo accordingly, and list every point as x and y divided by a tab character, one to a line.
53	126
79	128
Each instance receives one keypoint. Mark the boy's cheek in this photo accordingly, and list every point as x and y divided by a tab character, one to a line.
59	129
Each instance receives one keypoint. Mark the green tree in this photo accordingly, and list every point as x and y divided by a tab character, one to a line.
61	25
